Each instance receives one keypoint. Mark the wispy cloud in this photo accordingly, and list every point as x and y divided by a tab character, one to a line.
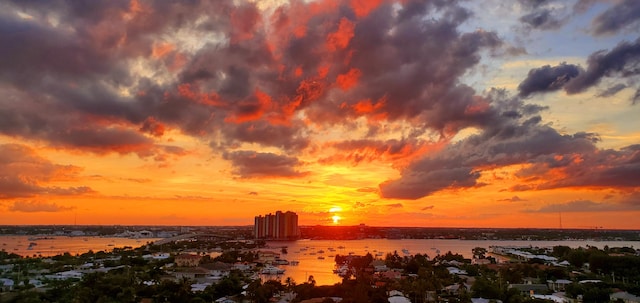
37	206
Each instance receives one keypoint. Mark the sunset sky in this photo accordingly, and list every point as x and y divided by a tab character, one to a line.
474	113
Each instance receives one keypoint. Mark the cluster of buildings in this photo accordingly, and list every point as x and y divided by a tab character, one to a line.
278	226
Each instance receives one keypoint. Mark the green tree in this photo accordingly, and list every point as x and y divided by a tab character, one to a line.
486	288
479	252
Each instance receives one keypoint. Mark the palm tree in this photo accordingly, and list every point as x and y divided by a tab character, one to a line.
290	283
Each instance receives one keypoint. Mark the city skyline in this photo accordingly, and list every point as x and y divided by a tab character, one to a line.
386	113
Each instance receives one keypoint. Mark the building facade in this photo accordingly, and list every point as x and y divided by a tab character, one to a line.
278	226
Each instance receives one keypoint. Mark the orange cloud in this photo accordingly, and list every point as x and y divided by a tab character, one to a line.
365	106
251	110
160	50
349	80
185	90
364	7
308	91
478	106
341	37
135	7
244	22
396	151
153	127
24	173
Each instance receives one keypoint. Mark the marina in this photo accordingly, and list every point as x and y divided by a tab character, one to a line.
304	258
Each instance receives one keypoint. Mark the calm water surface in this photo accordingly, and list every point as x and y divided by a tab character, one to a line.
306	251
54	245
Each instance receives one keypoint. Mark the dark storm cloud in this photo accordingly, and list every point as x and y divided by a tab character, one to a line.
625	14
405	74
510	137
601	168
264	133
60	85
65	86
533	3
250	164
367	150
548	78
25	174
611	91
582	6
543	15
427	178
543	19
622	61
274	82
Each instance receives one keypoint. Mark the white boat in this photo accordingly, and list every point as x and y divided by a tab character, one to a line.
271	270
282	262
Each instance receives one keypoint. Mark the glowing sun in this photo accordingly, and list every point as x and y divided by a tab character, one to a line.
335	217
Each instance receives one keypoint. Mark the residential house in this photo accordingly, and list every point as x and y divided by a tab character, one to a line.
225	300
391	274
192	273
379	265
187	260
480	261
6	284
558	285
457	289
64	275
456	271
624	296
217	270
553	298
530	289
397	297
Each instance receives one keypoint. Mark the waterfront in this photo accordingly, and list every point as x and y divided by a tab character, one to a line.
306	252
46	246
